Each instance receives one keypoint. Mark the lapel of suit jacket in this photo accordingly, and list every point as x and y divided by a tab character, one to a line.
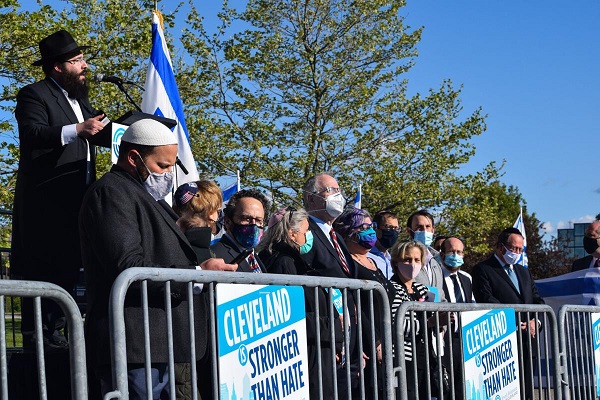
466	286
163	209
318	232
233	251
61	101
502	272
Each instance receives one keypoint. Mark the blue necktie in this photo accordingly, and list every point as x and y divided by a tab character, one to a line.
513	277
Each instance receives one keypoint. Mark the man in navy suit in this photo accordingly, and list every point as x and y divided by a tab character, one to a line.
56	166
244	221
500	279
590	244
329	256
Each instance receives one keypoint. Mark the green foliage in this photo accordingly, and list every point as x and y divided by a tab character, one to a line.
281	91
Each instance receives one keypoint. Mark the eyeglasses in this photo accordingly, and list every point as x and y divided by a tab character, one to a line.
78	60
330	190
517	250
389	228
248	220
364	227
457	252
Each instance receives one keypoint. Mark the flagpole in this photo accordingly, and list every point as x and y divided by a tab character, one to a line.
238	180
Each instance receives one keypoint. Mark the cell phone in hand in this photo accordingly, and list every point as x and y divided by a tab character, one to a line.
241	257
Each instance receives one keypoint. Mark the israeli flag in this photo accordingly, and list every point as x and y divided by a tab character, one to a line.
521	227
161	97
358	198
228	192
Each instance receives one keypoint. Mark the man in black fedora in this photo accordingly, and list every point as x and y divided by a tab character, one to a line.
56	166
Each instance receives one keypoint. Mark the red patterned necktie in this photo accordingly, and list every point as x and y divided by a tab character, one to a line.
339	251
253	263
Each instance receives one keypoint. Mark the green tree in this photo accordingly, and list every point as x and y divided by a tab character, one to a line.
317	86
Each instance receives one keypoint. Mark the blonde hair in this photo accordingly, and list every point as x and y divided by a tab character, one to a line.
399	250
207	200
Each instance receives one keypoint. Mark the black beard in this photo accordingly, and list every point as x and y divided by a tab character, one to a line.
74	87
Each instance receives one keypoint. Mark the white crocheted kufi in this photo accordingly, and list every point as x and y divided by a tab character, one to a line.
149	132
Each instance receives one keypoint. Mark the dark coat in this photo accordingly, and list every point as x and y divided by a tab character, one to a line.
51	182
582	263
467	287
285	260
491	284
122	226
226	249
324	258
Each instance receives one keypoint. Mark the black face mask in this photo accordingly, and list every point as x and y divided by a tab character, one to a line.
388	238
590	245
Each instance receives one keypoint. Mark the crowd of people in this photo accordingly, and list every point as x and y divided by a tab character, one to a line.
122	221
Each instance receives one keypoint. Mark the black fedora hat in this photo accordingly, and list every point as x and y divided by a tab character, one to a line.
56	45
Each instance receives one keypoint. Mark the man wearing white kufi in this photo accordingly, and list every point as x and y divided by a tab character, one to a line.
124	222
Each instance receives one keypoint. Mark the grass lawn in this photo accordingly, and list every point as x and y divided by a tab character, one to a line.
18	339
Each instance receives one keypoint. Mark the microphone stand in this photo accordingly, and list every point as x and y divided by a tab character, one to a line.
129	99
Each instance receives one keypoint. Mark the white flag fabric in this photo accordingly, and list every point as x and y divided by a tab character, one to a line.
161	97
358	198
521	227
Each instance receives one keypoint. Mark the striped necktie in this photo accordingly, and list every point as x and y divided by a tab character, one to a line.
253	263
339	251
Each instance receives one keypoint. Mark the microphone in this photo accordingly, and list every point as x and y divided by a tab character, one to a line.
111	79
180	164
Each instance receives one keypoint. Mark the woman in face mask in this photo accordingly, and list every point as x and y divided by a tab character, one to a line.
287	237
198	204
407	259
358	231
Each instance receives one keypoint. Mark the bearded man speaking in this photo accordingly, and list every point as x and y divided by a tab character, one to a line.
56	166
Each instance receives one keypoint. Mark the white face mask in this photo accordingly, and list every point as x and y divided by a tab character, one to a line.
158	185
511	257
334	205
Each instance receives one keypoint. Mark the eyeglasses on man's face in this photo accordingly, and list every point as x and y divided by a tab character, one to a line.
517	250
76	61
249	220
329	190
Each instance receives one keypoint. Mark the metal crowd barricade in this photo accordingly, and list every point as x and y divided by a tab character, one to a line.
372	290
539	360
77	359
577	344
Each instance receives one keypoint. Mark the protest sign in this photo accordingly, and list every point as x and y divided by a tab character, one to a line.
261	333
490	354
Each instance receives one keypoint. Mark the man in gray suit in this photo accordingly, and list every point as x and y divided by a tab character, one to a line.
124	222
420	227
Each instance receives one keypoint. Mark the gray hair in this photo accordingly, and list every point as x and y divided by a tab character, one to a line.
311	187
278	232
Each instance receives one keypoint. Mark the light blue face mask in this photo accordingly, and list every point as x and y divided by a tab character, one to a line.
424	237
453	261
305	248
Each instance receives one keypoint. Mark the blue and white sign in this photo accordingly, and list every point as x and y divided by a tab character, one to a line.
490	354
261	333
596	337
117	133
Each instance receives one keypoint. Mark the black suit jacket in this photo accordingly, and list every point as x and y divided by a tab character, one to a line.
226	249
582	263
122	226
467	287
491	284
51	182
324	258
